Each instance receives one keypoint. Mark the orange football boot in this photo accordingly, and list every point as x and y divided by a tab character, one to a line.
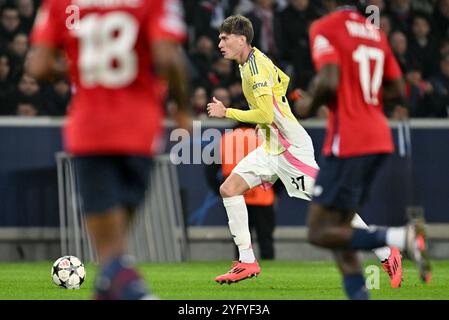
393	266
239	271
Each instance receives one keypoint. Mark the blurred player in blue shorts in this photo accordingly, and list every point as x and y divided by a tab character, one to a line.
118	52
355	63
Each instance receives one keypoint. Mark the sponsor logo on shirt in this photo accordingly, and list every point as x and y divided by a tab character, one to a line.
260	85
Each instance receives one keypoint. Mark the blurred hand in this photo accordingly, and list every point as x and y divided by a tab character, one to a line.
399	113
302	105
323	112
303	94
216	109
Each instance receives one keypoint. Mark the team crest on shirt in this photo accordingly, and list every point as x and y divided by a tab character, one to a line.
321	45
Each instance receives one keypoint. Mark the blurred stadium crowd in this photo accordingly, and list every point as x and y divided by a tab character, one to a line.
418	31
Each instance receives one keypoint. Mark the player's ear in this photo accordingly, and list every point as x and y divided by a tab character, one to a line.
242	39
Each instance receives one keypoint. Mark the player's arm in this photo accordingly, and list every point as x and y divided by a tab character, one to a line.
170	65
166	31
326	59
394	85
262	114
394	92
45	63
326	88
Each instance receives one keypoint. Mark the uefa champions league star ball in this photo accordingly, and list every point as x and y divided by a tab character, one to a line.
68	272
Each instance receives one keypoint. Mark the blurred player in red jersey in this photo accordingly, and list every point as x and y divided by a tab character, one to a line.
355	63
119	53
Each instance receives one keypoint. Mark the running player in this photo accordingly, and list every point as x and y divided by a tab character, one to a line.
287	152
354	62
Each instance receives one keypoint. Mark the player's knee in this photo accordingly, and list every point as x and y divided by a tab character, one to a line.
315	236
226	190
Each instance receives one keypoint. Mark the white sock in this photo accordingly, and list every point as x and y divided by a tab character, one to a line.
396	237
239	227
247	255
381	253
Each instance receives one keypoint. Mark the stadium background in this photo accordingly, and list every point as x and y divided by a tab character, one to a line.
32	114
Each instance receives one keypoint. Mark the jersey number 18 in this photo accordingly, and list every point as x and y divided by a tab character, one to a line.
106	49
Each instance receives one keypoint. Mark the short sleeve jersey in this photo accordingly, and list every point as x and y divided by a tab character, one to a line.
357	124
260	76
116	106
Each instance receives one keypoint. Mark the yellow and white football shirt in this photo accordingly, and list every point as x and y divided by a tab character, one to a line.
264	86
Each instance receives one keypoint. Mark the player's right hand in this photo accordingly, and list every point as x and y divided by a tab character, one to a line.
216	109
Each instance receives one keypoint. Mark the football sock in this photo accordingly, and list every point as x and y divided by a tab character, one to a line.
396	237
112	267
247	255
238	225
367	239
381	253
119	281
355	288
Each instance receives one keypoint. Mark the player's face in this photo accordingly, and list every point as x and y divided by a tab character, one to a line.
231	45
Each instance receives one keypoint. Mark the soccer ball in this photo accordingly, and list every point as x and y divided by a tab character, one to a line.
68	272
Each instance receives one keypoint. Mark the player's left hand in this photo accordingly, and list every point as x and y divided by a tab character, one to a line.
400	113
216	109
303	103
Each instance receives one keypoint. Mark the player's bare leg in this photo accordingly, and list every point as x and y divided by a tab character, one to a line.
350	267
390	258
117	280
347	261
326	228
108	233
332	229
232	192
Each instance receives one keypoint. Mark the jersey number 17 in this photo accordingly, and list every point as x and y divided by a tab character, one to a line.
370	82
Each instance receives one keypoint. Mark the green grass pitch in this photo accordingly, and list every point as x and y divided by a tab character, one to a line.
283	280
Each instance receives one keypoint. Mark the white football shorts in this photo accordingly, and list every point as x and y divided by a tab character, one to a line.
296	169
